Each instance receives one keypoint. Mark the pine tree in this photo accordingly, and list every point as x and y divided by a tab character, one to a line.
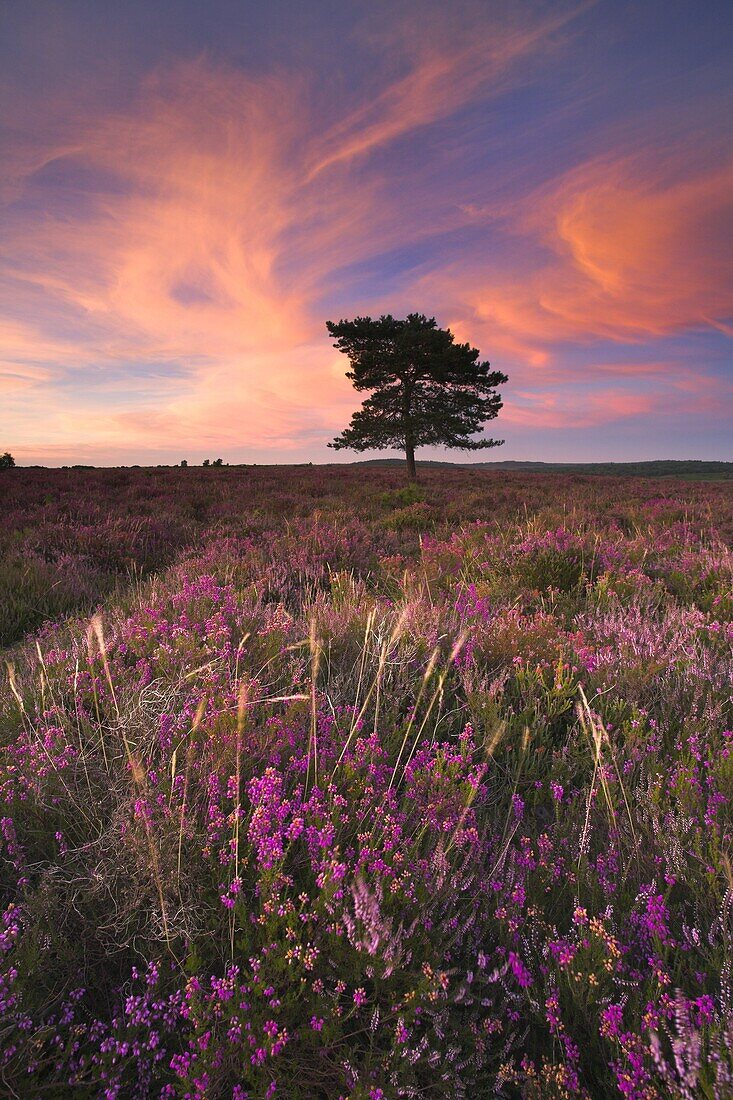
426	388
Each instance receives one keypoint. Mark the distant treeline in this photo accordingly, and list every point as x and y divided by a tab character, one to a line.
687	469
690	469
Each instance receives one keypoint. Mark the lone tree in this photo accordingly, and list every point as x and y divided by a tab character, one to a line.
426	388
6	461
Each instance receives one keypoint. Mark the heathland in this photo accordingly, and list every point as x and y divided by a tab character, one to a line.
317	785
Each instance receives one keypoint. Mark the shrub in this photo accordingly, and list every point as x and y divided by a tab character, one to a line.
318	808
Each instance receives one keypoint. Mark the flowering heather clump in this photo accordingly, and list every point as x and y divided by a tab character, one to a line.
336	791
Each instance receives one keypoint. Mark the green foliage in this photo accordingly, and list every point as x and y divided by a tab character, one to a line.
414	517
6	461
32	591
401	498
510	875
426	389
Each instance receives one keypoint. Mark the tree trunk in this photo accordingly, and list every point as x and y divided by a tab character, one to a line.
407	424
410	455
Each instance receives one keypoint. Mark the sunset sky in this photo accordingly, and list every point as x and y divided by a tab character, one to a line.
189	189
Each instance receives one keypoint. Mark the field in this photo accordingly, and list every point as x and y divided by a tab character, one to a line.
315	785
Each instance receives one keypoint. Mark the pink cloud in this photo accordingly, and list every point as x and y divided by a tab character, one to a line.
626	392
566	410
226	204
451	62
210	236
636	247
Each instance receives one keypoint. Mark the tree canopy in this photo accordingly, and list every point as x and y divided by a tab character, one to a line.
426	388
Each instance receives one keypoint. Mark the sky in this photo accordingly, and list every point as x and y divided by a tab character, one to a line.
189	190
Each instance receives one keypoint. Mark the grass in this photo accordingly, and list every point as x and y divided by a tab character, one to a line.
351	790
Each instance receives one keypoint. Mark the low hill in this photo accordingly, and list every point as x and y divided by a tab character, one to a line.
688	469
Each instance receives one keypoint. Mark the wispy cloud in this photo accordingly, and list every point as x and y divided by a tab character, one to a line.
204	229
625	248
448	65
191	227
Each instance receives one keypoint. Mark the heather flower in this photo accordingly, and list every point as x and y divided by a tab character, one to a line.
519	970
305	850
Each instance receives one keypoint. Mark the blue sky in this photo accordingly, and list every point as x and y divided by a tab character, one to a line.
189	191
